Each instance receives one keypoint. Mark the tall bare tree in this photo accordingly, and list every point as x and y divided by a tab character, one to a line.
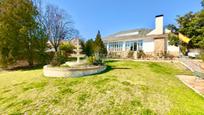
59	26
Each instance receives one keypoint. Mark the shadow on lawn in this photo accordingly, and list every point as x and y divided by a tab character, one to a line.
110	61
110	68
25	68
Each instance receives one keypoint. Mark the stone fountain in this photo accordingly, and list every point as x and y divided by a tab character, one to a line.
78	51
74	69
77	55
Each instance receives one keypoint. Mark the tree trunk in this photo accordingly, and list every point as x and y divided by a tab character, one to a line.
30	59
56	49
30	62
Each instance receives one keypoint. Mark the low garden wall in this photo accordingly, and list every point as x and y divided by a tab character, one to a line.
49	71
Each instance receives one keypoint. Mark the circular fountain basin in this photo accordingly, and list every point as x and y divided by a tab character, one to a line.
50	71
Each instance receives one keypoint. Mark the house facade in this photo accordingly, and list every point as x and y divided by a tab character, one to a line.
152	42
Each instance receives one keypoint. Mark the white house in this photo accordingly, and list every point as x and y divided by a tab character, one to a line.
151	41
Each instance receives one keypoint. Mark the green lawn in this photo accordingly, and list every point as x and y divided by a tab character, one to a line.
126	88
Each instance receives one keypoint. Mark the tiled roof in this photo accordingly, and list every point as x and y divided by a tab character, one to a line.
130	34
134	32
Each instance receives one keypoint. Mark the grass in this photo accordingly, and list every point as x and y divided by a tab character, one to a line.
127	87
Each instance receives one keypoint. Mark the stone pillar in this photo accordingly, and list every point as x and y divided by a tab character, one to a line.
135	55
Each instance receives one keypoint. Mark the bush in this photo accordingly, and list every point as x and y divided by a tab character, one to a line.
93	61
43	58
66	49
169	56
98	62
202	56
183	50
58	60
130	54
113	55
140	54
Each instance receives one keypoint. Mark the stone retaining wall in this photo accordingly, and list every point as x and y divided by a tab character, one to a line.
71	72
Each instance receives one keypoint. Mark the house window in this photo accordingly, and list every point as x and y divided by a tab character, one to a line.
134	45
140	45
116	46
129	46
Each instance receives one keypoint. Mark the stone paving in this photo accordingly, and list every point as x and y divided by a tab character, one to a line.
193	65
194	83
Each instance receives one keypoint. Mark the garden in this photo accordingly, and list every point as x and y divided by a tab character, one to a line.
126	87
47	68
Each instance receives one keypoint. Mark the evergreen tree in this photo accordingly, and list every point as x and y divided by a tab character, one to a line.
21	36
89	46
99	47
82	44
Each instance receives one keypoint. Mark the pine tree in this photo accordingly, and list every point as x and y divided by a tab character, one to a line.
99	47
89	47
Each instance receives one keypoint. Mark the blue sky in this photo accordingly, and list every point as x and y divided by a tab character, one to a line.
110	16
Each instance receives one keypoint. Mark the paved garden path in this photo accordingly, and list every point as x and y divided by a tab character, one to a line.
193	65
196	84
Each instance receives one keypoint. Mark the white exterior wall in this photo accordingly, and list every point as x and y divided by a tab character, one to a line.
148	45
124	45
173	50
107	47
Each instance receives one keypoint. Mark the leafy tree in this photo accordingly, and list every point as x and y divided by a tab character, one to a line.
89	47
191	25
66	48
21	37
99	47
173	36
9	44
